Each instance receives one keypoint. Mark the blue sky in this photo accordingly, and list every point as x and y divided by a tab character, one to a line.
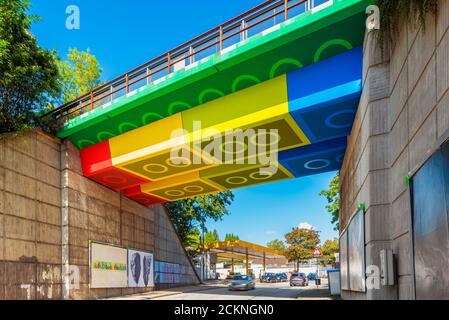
124	34
266	212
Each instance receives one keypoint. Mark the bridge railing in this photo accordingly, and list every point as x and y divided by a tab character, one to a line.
251	22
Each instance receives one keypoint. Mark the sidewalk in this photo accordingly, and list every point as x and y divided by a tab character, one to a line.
317	293
169	292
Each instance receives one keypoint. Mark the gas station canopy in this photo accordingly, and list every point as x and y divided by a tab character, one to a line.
242	249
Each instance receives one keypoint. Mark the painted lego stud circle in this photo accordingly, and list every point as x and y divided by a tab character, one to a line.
193	189
236	180
155	168
274	138
114	179
174	193
184	162
317	164
259	176
339	119
241	147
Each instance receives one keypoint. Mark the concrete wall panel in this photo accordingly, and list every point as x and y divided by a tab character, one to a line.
415	117
49	212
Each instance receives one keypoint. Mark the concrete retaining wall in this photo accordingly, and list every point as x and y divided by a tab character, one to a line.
49	212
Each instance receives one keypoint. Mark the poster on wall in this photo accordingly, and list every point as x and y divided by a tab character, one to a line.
140	271
108	266
356	253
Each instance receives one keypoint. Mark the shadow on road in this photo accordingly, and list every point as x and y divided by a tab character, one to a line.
265	291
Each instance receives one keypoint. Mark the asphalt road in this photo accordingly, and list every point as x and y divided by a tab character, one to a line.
263	291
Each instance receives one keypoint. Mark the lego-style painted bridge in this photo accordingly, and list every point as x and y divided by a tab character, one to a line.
287	74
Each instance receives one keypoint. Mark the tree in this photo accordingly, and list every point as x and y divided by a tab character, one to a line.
211	237
329	248
193	241
301	244
333	198
28	73
231	237
277	245
79	74
190	214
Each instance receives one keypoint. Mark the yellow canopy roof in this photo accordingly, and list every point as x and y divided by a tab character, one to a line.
241	248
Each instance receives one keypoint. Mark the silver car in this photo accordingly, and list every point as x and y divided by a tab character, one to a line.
298	279
242	283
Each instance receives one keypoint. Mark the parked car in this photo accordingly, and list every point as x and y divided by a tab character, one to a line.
230	276
268	277
298	279
281	277
242	283
312	276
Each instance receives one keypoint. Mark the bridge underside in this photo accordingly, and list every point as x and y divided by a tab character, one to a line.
283	112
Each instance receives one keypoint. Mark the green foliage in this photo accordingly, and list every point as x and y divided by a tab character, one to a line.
28	73
211	237
329	248
301	244
190	214
193	240
277	244
393	14
333	198
231	237
79	74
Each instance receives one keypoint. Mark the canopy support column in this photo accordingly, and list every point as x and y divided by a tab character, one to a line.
264	262
247	262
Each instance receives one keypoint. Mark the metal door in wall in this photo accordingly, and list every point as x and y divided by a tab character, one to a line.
430	227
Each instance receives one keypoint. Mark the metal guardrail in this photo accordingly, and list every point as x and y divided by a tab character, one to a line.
204	45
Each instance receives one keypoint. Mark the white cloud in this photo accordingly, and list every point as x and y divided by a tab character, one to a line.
271	232
305	225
